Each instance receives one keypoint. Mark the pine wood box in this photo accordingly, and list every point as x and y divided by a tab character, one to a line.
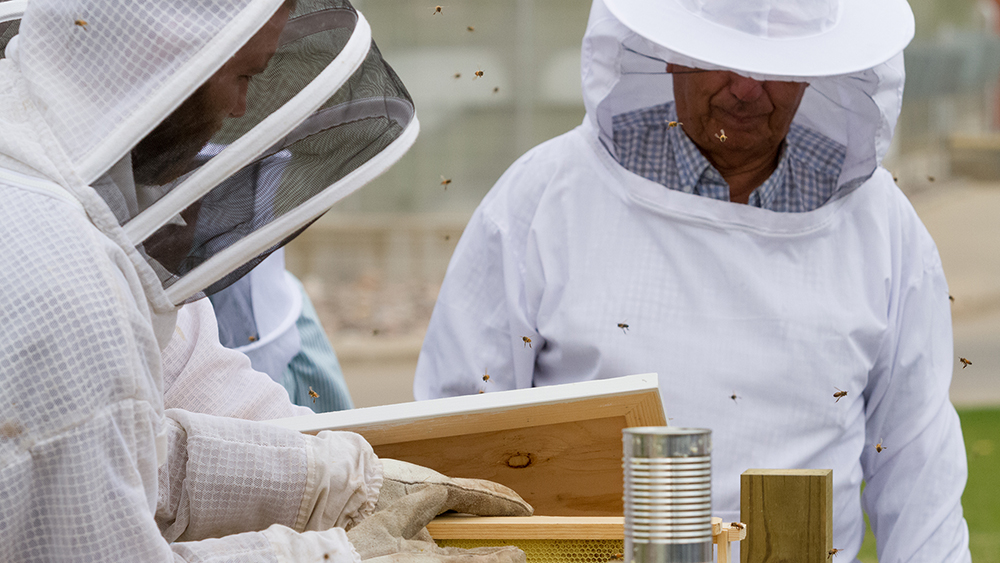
559	447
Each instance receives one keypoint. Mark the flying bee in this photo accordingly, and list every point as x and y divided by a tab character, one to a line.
965	363
496	89
374	332
437	10
930	178
734	396
721	136
675	124
879	447
832	552
624	327
840	394
950	298
457	75
486	376
470	29
447	238
445	182
313	394
527	341
81	23
478	73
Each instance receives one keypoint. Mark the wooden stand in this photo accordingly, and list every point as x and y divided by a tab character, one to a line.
789	515
723	535
540	536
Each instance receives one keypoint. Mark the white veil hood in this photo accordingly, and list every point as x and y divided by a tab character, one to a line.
622	71
86	82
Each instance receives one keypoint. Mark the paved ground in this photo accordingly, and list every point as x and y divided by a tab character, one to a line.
962	217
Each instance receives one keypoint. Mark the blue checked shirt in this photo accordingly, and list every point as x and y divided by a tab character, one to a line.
805	179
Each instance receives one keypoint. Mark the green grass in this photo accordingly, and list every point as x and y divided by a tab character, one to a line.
981	500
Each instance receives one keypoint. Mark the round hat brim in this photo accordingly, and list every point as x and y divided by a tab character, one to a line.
868	34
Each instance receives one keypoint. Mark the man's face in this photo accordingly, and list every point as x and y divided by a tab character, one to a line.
754	115
167	152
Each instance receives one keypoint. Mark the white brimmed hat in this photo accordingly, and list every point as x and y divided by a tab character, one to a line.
774	37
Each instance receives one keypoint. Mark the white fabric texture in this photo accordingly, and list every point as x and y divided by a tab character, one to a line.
781	309
83	431
202	375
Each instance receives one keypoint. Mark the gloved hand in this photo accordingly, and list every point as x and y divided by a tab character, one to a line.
395	533
469	496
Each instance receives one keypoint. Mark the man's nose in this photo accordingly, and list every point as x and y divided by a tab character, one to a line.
240	108
745	89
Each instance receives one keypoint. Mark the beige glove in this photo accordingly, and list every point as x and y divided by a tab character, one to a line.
411	496
469	496
391	534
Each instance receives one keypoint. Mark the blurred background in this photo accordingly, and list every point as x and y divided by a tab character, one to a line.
373	265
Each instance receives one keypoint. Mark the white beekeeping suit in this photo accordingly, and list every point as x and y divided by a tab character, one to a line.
92	466
752	318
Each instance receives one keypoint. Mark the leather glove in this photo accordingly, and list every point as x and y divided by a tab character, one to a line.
393	533
469	496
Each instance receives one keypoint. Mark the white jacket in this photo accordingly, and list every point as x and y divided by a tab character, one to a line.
780	309
93	466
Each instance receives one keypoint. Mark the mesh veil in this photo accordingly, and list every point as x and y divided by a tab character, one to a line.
326	116
624	71
286	187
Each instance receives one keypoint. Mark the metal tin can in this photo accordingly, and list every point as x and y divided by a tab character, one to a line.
668	494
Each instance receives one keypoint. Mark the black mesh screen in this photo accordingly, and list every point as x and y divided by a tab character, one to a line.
354	125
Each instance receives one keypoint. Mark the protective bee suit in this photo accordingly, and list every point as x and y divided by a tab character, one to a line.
752	318
101	241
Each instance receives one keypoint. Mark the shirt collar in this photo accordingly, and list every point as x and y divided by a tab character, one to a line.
693	169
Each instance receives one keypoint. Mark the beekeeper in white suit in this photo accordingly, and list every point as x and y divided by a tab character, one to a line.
721	218
96	97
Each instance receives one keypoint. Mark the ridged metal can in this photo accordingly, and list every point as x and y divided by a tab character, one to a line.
668	494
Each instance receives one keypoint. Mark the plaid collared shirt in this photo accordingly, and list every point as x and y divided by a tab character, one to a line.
805	179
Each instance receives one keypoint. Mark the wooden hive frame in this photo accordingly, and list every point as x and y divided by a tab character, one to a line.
559	447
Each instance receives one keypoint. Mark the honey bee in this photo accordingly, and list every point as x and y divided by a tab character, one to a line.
458	75
721	135
879	447
81	23
253	338
675	124
737	525
527	341
445	182
624	327
481	391
832	552
486	376
617	557
470	29
313	394
734	396
965	363
478	73
437	10
840	394
895	179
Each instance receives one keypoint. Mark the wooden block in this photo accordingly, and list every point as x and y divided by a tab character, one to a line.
559	447
788	515
464	526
